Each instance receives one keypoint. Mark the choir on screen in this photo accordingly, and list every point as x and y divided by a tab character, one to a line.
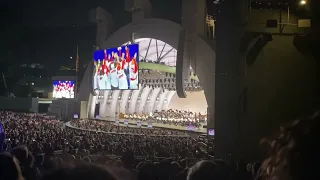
63	89
117	70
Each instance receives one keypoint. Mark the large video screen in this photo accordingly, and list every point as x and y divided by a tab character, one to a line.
63	89
117	68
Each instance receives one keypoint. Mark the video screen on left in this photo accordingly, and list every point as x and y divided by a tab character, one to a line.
63	89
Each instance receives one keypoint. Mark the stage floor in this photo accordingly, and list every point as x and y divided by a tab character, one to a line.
133	123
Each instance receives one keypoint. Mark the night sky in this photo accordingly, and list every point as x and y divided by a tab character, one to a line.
47	32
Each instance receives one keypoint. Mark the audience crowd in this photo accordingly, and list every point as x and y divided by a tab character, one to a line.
37	146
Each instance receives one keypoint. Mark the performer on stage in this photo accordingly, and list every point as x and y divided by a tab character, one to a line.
102	81
133	70
66	90
128	60
55	89
71	90
96	74
63	89
122	78
105	69
107	72
58	92
113	74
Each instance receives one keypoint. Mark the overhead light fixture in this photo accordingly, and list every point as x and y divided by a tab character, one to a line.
303	2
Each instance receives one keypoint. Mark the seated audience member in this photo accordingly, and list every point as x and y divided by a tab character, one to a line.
80	172
9	168
208	170
27	163
294	154
146	171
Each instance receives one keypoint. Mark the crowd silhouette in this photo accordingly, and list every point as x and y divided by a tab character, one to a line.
36	146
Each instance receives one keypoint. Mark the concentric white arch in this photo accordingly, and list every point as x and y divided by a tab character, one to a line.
157	51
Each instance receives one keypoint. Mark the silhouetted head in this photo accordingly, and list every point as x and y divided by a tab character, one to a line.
21	153
294	154
80	172
208	170
9	167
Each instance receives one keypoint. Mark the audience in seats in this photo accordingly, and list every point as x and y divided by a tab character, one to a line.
40	147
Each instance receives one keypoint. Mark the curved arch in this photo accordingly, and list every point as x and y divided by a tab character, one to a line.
162	98
114	104
124	101
103	107
150	104
169	98
144	97
92	104
134	99
166	31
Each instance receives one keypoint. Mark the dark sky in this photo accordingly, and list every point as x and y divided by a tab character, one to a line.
48	31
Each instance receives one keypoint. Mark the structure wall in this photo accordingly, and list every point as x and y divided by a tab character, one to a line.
35	105
195	102
259	17
83	109
64	107
282	84
16	104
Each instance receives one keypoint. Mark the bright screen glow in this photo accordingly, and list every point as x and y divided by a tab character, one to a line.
211	132
191	127
1	128
63	89
116	68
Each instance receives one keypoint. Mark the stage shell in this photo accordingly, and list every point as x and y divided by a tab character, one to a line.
159	33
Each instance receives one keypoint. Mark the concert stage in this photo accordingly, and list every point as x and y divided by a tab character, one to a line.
133	123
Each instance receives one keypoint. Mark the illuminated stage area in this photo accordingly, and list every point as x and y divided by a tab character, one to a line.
156	86
158	41
110	126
